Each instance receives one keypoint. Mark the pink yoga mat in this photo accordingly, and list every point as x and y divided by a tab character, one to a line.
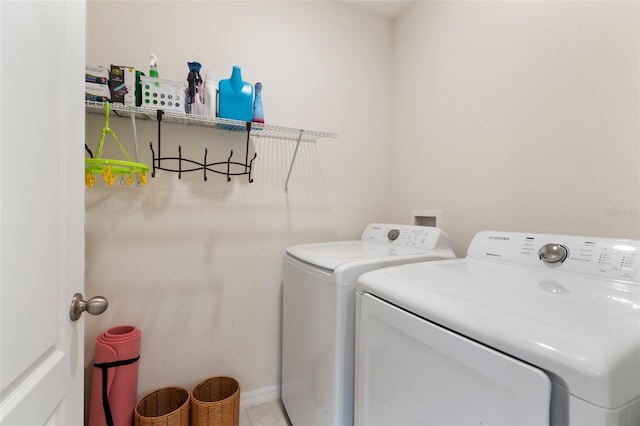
116	359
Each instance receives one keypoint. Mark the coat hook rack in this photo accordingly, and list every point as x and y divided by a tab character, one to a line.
191	165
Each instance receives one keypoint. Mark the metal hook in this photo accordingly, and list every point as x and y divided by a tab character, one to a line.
229	166
204	167
255	154
153	160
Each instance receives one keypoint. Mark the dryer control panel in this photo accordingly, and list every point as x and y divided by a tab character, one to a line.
601	257
420	237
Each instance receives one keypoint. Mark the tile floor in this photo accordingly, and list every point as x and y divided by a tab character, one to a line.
270	413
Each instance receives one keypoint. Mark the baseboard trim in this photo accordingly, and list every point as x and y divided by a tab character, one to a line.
260	396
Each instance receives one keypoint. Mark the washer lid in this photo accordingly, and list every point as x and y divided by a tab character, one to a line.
583	328
381	242
331	256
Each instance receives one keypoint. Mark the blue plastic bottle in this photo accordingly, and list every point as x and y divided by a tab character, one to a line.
235	97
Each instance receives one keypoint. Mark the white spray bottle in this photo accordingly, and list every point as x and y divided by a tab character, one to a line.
153	65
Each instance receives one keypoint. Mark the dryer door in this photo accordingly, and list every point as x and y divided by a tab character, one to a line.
410	371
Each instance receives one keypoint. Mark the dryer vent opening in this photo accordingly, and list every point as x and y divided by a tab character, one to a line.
427	218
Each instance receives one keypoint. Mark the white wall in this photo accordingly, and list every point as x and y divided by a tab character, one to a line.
506	115
519	116
196	265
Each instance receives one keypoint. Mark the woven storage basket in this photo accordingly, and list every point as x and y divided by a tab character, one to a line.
216	401
164	407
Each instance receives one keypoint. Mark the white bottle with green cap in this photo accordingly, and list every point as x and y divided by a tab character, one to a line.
153	65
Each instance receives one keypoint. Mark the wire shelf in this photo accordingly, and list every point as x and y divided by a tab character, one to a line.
257	129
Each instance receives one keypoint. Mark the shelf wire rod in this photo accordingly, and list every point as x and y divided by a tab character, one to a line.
293	159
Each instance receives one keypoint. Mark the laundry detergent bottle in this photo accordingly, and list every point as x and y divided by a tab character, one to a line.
235	97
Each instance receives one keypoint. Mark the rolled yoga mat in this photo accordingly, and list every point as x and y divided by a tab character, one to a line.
115	377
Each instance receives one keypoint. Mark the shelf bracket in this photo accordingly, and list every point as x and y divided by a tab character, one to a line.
293	159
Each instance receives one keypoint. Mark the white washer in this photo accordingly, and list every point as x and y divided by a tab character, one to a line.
503	336
318	332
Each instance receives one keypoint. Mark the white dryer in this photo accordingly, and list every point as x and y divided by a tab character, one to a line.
318	331
528	329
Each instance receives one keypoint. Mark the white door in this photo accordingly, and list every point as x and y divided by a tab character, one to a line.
42	45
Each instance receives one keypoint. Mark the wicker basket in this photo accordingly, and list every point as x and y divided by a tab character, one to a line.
164	407
216	401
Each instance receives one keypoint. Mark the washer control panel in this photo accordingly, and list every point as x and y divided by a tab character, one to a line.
606	258
421	237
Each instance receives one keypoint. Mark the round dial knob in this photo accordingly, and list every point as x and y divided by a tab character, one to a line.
393	234
553	253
